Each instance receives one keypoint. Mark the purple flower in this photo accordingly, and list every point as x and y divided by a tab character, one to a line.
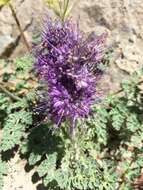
68	63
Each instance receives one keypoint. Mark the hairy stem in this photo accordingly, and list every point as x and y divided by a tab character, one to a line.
19	26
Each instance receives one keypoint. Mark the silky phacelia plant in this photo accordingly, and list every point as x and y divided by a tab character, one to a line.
68	63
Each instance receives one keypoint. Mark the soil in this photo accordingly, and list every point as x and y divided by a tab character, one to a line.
20	179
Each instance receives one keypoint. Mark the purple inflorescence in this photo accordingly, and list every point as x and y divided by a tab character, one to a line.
67	62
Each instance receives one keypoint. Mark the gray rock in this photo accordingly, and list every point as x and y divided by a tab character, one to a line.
30	14
122	19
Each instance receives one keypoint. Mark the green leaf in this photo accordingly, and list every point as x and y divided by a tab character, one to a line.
11	136
17	105
62	178
133	123
48	179
34	158
14	129
24	64
48	165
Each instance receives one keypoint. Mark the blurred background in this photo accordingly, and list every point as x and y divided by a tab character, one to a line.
122	19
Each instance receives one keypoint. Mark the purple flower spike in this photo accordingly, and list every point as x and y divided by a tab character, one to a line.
67	63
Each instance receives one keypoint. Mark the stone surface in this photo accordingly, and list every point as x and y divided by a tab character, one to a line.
17	178
30	14
122	19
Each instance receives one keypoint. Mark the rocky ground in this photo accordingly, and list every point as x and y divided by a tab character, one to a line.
17	178
121	19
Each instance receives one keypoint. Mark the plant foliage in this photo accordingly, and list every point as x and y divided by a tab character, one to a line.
106	151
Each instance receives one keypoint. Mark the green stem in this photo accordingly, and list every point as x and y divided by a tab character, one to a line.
19	26
60	7
12	96
66	4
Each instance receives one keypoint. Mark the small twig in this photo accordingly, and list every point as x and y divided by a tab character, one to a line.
12	96
122	90
19	26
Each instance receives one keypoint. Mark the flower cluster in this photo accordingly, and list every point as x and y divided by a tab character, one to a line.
68	63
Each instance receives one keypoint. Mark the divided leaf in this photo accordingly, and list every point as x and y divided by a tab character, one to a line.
14	129
48	165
